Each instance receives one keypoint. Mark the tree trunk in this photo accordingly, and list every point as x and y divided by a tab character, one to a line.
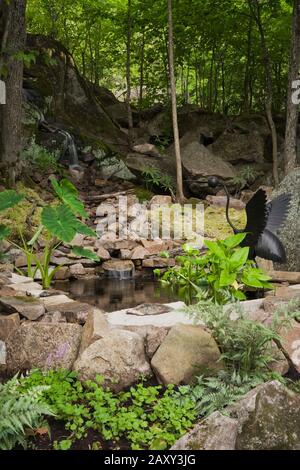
12	41
290	145
128	73
180	194
142	64
247	79
255	9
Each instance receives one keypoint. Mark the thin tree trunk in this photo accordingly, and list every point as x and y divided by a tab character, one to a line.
180	194
269	86
247	79
12	41
142	65
128	73
290	145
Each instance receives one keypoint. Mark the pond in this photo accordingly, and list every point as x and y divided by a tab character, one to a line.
111	294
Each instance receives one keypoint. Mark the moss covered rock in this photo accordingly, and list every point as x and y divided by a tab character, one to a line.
290	232
267	418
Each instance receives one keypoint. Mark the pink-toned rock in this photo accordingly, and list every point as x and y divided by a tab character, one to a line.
161	200
62	274
125	254
103	253
8	323
42	345
291	343
139	253
147	149
77	270
159	263
154	247
221	201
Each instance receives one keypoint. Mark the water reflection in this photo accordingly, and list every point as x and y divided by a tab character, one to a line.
112	294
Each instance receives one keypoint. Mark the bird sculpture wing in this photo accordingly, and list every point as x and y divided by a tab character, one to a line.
270	247
256	210
277	212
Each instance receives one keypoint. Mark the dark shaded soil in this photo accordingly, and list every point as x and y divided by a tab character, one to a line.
92	441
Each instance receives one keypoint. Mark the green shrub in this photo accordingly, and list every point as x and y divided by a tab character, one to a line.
247	346
220	275
154	178
41	159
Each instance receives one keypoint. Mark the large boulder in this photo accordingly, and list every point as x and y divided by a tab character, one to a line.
119	357
43	346
289	233
185	349
208	126
199	162
267	418
238	148
74	101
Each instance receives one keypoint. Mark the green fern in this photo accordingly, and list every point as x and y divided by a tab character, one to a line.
20	411
214	393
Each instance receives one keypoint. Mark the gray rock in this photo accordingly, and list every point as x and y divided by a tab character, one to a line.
119	357
267	418
235	148
185	349
289	233
217	432
2	353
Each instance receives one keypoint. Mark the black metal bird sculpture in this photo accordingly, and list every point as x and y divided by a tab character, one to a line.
263	220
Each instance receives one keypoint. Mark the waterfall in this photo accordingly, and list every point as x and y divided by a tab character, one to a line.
70	147
69	143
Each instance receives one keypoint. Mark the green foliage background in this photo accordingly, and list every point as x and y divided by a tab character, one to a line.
219	60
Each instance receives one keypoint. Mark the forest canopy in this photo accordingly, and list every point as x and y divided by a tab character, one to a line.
218	49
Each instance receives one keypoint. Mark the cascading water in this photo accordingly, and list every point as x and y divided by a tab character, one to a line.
71	149
69	144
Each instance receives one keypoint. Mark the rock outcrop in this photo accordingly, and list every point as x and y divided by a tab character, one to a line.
289	233
267	418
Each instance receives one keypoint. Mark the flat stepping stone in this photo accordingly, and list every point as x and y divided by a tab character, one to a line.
27	306
149	309
17	279
175	315
55	301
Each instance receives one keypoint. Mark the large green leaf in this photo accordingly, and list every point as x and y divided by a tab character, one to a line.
235	240
215	248
239	258
60	222
9	198
84	229
227	279
4	232
84	253
67	192
251	280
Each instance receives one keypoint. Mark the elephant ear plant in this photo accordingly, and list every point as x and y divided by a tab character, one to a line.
8	198
59	224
